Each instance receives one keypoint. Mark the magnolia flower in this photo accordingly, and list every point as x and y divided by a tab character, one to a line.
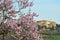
25	26
31	3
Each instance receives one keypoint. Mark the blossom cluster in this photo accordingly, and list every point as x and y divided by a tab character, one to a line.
25	27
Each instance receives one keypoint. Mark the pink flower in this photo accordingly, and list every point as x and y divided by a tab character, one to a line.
25	25
25	1
34	14
12	13
7	2
31	3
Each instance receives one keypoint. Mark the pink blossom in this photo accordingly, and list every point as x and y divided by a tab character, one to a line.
25	1
31	3
24	26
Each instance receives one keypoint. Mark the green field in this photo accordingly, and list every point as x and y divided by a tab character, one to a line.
53	37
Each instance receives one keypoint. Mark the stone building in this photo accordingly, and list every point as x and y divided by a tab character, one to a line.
47	24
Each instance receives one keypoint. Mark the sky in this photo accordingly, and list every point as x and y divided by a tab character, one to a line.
46	9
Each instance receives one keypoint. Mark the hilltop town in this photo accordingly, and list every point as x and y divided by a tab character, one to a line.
47	24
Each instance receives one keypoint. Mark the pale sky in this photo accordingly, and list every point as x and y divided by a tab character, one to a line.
47	10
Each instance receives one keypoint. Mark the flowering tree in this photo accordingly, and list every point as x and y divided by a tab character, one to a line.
23	28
